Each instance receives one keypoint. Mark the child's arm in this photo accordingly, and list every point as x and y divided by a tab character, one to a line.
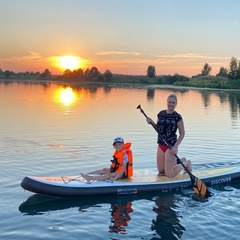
119	175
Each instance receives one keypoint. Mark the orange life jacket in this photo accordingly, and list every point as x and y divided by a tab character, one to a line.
117	161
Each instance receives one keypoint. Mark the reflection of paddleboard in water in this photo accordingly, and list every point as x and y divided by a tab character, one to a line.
39	204
76	186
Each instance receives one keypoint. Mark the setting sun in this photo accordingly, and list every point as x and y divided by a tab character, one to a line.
69	62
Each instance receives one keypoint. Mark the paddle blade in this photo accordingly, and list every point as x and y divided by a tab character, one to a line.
200	188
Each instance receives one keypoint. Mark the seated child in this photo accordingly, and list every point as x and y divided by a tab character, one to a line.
121	166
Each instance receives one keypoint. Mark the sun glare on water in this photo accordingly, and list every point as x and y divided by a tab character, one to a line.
69	62
65	96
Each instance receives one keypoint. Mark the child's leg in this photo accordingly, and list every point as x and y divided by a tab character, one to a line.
97	178
100	171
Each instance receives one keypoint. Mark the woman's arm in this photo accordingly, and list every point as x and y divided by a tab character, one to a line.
181	131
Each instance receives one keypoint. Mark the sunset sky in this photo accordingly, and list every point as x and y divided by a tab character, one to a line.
124	36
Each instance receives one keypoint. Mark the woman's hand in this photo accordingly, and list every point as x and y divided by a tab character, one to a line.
149	120
174	150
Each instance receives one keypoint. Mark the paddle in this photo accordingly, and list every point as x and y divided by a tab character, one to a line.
198	186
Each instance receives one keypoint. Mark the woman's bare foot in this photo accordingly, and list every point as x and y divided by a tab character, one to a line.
188	166
183	159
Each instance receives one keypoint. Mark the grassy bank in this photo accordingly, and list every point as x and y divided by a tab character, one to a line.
179	80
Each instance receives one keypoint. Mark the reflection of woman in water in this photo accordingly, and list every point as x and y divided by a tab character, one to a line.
120	217
167	223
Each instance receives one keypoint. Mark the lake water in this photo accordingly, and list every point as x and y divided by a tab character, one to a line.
53	129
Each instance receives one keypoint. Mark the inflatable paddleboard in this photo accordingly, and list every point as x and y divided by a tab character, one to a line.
76	186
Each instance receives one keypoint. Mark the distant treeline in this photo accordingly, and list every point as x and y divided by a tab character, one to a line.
225	79
92	75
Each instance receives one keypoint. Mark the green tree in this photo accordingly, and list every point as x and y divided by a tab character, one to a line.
233	68
223	72
151	72
238	71
206	70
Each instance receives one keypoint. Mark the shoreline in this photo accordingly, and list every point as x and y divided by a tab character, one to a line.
112	84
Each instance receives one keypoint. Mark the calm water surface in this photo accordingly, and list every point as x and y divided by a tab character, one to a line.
51	129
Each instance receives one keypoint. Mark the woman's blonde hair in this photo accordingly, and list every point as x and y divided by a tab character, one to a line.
173	95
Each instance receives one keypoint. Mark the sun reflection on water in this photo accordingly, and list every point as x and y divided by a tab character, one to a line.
65	96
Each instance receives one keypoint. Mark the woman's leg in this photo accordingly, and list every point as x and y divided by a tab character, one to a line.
170	162
171	168
160	160
187	163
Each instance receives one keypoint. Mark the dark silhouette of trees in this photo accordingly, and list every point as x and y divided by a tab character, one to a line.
100	78
46	74
238	71
108	75
223	72
234	69
79	73
206	70
234	73
67	72
85	74
151	72
92	74
7	74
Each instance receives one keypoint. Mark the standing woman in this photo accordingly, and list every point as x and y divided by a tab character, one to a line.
169	121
